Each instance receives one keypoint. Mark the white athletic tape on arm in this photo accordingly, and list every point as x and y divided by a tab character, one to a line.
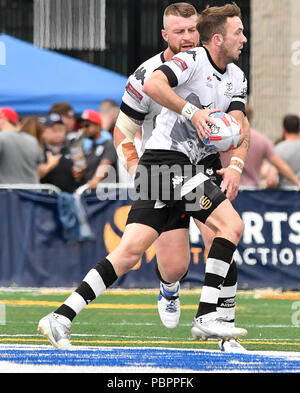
236	168
189	110
238	160
126	150
127	126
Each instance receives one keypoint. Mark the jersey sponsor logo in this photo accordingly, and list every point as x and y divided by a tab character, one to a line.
205	203
133	93
180	63
228	303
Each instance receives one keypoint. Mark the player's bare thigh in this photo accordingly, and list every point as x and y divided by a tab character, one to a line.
137	238
173	254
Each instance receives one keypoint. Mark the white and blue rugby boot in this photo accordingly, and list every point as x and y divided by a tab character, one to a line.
169	306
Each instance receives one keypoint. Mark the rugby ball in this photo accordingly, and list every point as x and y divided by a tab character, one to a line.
225	134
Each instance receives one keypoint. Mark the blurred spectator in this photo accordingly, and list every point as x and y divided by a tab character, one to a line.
57	166
109	111
20	153
74	137
289	148
33	127
261	148
100	153
66	112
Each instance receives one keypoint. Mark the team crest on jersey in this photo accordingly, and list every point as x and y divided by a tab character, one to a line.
228	92
209	171
180	63
229	86
133	93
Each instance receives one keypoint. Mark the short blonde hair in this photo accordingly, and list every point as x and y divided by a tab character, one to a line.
185	10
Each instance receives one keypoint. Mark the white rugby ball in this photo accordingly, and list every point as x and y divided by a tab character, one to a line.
225	134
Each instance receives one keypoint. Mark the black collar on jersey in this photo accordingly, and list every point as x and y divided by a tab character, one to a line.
212	62
162	57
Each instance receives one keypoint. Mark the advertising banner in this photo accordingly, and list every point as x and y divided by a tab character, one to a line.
35	250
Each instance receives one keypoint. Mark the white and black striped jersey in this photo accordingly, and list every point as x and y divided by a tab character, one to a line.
196	78
135	103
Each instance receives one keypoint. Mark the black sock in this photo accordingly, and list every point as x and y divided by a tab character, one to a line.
217	266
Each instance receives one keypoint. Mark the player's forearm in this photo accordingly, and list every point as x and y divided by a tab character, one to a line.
124	134
240	153
158	88
127	152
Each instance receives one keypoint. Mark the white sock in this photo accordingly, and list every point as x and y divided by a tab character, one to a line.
172	287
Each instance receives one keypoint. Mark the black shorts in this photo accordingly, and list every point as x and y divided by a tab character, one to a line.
170	190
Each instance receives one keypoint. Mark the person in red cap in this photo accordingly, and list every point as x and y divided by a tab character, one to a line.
8	118
20	153
99	150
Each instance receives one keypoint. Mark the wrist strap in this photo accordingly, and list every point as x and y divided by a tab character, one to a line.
236	168
238	160
189	110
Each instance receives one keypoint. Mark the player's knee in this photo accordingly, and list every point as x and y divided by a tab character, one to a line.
129	255
173	274
132	258
231	229
237	229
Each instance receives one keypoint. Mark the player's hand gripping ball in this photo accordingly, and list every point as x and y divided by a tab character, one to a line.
225	134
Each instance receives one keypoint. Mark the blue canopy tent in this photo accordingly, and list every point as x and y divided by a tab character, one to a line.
32	79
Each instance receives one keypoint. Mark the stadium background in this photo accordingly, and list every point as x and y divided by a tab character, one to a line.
271	59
